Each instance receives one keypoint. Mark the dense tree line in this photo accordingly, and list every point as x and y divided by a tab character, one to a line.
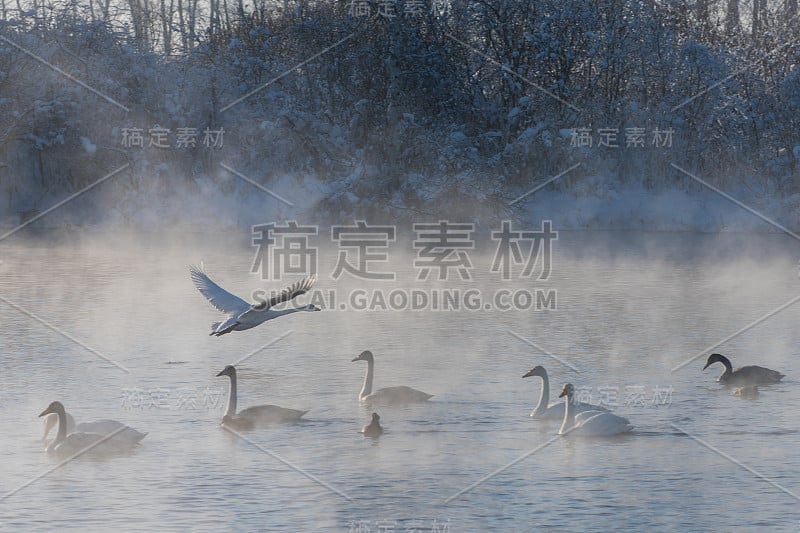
478	100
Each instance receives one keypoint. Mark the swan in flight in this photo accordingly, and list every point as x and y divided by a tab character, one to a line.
590	423
742	377
242	315
70	443
373	429
556	410
102	427
388	395
256	415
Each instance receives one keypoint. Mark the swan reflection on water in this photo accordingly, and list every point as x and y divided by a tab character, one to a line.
373	429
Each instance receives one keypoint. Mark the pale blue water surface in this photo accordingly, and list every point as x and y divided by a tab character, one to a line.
630	307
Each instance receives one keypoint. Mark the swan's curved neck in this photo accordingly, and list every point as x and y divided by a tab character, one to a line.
231	409
62	427
568	416
544	395
366	390
49	421
728	368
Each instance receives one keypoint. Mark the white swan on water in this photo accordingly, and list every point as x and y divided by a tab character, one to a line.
389	395
742	377
242	315
256	415
590	423
69	443
373	429
102	427
554	411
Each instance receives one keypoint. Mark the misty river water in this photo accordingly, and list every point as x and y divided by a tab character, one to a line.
629	308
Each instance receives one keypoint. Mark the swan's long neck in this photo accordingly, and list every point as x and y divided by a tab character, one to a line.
366	390
49	421
728	368
62	427
568	416
231	409
544	395
282	312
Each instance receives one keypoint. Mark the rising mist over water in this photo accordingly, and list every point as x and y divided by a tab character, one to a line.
630	307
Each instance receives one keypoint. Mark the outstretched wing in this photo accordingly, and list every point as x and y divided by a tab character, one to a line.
219	297
292	291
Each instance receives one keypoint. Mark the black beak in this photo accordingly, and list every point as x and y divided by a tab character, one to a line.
528	374
45	412
355	359
221	373
563	393
707	365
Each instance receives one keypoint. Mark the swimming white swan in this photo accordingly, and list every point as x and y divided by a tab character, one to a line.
590	423
747	375
102	427
242	315
69	443
556	410
373	429
388	395
256	415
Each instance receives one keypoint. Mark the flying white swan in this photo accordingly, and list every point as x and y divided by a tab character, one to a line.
256	415
388	395
102	427
242	315
742	377
69	443
373	429
556	410
590	423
